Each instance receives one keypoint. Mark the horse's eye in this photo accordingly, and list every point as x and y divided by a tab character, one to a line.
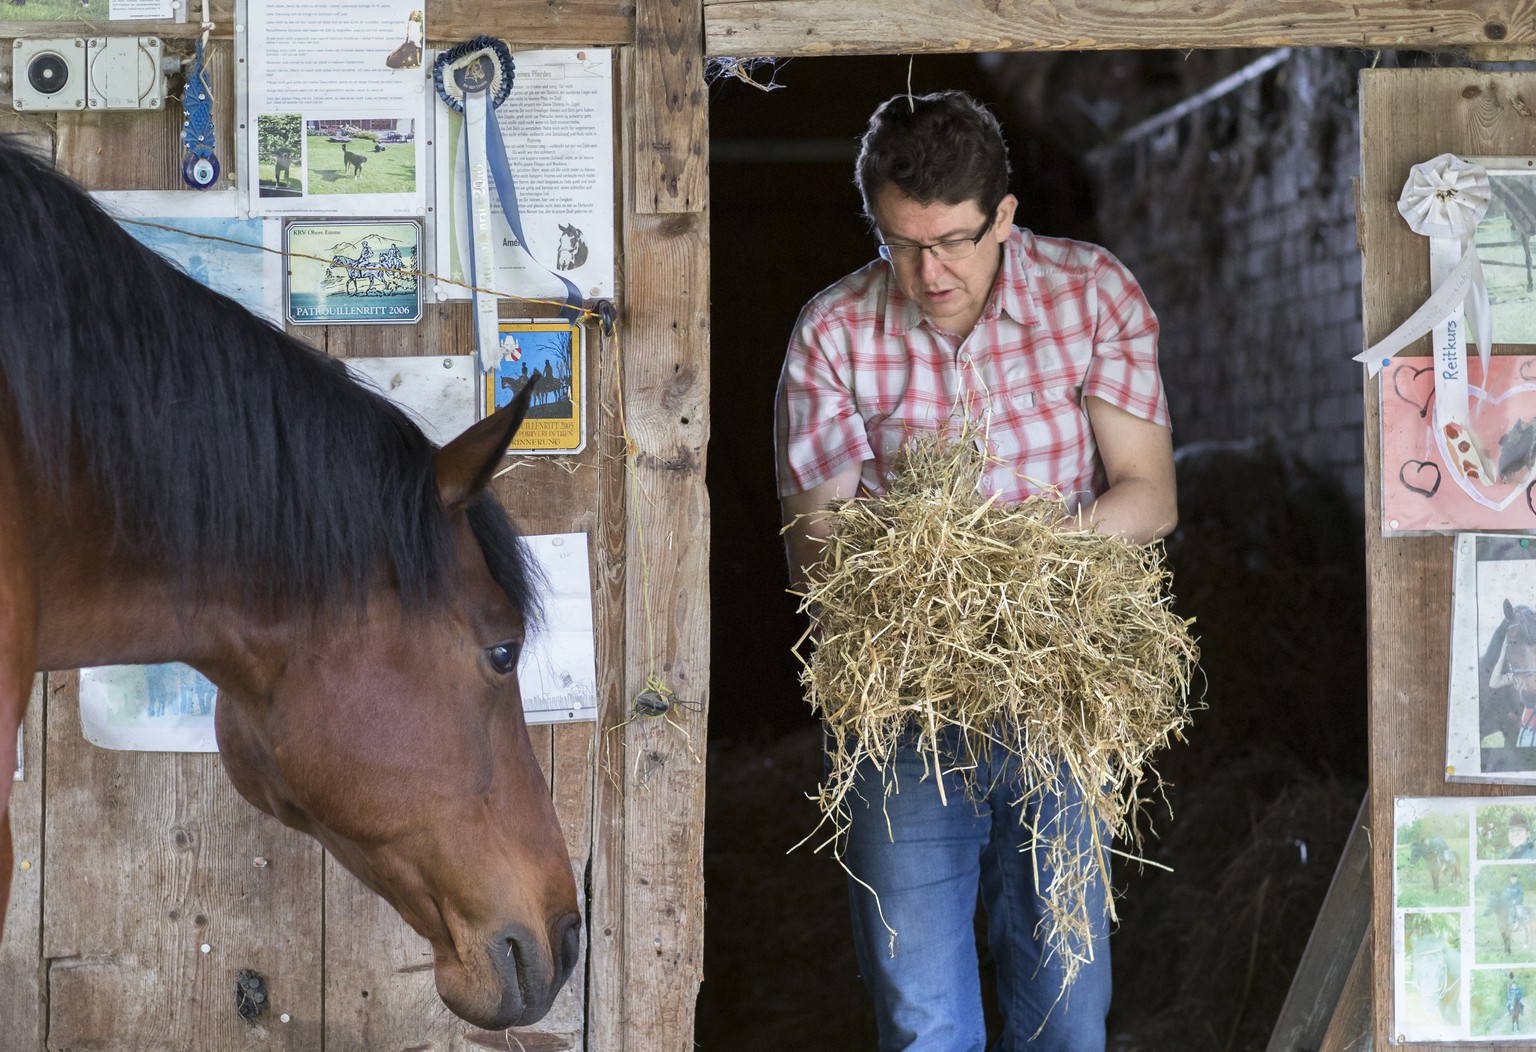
503	657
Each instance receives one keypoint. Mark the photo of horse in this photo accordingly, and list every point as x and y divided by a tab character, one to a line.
1431	859
1501	916
1499	1001
1431	975
1506	637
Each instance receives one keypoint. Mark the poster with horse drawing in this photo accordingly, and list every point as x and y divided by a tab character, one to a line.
1464	955
547	354
353	272
1491	694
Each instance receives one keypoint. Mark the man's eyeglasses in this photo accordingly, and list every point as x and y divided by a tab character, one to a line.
947	251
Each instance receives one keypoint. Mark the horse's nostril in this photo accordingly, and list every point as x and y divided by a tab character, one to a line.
568	940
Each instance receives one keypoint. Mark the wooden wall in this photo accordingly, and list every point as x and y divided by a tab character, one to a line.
131	863
1409	116
145	858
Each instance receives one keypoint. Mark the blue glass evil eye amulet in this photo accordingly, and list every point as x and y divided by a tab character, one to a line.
200	167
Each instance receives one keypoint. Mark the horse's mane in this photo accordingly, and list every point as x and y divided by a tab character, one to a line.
241	460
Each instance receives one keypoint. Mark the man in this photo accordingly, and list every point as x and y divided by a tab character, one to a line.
1049	347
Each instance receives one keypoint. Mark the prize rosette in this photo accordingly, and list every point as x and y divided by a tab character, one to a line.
483	64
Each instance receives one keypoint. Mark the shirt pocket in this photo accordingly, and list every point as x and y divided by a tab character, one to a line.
1030	400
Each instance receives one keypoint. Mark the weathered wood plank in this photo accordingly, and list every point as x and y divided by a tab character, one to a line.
664	369
149	858
671	121
23	997
1408	116
752	28
607	1005
540	23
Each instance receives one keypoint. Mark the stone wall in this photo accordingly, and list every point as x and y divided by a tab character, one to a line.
1237	213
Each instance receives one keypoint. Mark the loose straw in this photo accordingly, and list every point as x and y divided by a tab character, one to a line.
940	616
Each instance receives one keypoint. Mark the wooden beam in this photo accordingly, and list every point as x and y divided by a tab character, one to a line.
671	129
757	28
648	865
523	23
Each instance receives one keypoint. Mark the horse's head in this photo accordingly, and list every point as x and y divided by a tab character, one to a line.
1520	646
396	738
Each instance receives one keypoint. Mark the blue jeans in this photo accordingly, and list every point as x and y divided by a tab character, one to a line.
926	869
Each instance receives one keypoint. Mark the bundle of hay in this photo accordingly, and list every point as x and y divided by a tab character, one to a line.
939	613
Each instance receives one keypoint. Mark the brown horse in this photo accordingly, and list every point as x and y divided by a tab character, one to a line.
181	482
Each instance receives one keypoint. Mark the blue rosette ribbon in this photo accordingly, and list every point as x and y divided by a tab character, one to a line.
474	78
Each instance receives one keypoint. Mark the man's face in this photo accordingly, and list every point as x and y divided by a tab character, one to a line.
1518	836
951	293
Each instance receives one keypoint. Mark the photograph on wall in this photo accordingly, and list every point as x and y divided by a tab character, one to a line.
548	355
360	156
1491	694
147	708
557	673
1420	491
201	234
1463	949
280	155
334	98
1504	247
557	128
353	272
64	11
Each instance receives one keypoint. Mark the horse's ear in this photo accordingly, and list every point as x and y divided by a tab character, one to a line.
466	465
1509	611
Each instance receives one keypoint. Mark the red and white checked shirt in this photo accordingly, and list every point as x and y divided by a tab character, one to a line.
865	367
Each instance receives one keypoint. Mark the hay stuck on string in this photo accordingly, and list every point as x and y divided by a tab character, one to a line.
941	616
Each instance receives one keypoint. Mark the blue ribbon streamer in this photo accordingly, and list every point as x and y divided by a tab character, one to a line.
498	87
506	191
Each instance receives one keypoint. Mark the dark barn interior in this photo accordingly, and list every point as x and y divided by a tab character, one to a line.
1224	181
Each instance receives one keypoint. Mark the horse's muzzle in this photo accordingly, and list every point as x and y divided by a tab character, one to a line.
530	971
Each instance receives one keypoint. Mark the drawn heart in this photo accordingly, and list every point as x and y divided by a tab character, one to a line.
1405	384
1420	467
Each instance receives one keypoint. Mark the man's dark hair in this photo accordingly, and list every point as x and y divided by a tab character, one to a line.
943	147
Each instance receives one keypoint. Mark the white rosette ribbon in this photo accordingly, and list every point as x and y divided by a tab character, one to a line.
1444	199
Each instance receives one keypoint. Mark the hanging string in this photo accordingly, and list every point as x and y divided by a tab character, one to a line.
602	313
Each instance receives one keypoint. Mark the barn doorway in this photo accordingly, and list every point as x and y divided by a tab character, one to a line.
1218	177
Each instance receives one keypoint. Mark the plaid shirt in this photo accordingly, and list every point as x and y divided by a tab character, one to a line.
865	367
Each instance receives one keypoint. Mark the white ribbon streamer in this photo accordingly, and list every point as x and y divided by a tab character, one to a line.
1444	197
477	110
